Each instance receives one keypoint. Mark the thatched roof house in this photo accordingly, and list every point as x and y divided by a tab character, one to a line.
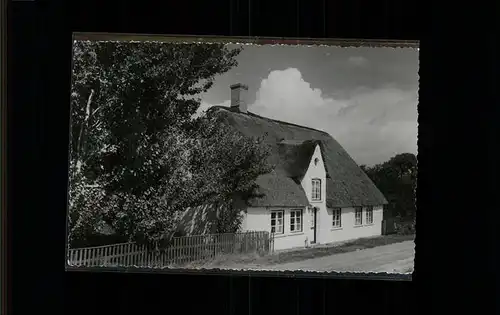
315	193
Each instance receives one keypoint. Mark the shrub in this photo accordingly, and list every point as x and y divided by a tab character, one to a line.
405	227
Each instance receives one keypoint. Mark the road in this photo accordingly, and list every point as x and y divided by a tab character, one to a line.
393	258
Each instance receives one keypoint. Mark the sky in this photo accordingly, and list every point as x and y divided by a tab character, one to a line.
366	98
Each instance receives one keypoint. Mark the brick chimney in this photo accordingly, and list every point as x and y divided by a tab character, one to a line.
238	97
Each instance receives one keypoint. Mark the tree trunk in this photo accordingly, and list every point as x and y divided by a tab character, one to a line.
83	128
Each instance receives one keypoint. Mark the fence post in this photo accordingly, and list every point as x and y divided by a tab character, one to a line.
111	252
271	243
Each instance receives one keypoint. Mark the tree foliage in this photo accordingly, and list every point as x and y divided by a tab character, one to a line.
137	157
235	162
397	180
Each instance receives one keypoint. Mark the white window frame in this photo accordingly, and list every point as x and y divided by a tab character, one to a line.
337	217
369	215
276	218
294	226
358	216
316	189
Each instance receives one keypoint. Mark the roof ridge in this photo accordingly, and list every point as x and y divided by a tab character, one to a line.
273	120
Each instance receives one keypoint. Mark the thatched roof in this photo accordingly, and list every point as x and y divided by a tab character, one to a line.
294	158
292	147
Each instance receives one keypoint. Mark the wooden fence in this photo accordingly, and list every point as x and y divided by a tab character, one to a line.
181	250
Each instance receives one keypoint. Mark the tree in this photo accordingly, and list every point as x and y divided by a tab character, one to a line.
126	95
135	149
234	163
397	180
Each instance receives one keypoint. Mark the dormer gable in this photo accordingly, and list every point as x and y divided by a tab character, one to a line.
314	180
317	164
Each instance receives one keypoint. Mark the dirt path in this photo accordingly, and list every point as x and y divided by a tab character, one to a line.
393	258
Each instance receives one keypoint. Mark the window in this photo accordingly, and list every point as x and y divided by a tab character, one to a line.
296	221
337	217
316	189
358	215
369	215
277	222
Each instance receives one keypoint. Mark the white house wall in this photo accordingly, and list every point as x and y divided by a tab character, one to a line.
316	171
259	219
348	229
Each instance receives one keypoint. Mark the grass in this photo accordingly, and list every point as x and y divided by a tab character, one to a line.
225	261
306	253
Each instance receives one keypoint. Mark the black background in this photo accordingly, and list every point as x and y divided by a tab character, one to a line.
457	187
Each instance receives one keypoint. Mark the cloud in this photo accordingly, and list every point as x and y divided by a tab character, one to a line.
357	61
371	124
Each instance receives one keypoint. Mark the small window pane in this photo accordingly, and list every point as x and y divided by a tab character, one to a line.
359	216
277	222
295	220
369	215
337	214
316	189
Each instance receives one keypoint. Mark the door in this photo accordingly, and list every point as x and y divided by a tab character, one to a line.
313	226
